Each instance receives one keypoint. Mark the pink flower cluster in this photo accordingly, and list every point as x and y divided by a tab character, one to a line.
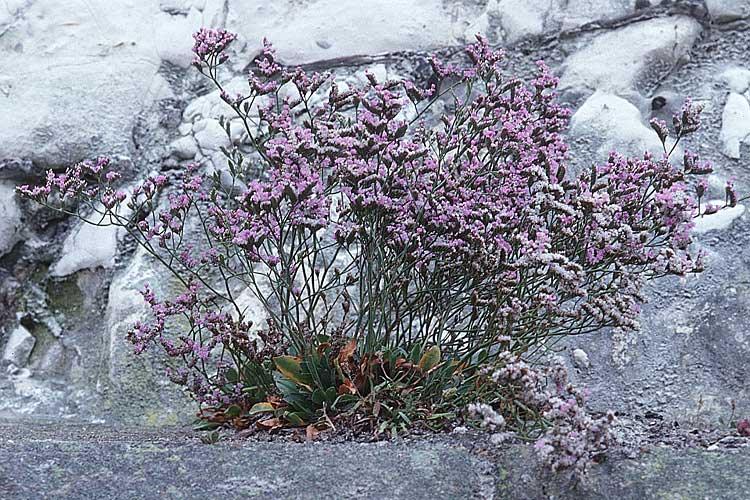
210	44
573	439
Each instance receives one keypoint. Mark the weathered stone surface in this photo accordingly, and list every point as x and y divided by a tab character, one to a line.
137	388
98	461
87	247
75	76
18	347
10	218
722	220
727	10
612	123
662	473
615	60
736	78
735	124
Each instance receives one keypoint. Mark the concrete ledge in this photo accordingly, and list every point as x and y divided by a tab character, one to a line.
88	461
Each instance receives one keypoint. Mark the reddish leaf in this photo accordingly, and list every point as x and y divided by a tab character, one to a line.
322	347
346	354
347	388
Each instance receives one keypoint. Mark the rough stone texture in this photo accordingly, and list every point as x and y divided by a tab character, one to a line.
735	125
613	123
87	247
80	461
137	387
74	76
728	10
80	79
10	218
617	60
660	474
18	347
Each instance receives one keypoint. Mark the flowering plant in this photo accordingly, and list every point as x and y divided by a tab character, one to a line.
391	256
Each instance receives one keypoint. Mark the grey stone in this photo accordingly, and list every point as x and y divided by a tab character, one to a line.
10	218
611	122
735	124
728	10
18	347
615	60
136	386
581	359
184	148
85	461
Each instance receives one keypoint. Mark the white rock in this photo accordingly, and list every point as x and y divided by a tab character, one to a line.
237	131
367	27
569	14
76	76
210	135
252	310
615	59
728	10
184	148
581	358
19	347
87	247
185	128
211	105
735	124
10	218
736	78
720	220
615	124
175	40
521	19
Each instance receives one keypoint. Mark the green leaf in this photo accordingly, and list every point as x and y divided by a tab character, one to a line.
404	417
233	411
430	359
331	395
295	418
318	396
414	354
291	368
344	400
205	425
300	403
232	376
263	407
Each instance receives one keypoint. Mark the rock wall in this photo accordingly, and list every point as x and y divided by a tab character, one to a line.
85	78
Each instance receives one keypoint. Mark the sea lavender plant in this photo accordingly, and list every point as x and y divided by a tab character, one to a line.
542	402
385	248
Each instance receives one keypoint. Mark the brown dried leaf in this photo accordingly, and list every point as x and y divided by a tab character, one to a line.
347	352
347	388
311	432
322	347
269	424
